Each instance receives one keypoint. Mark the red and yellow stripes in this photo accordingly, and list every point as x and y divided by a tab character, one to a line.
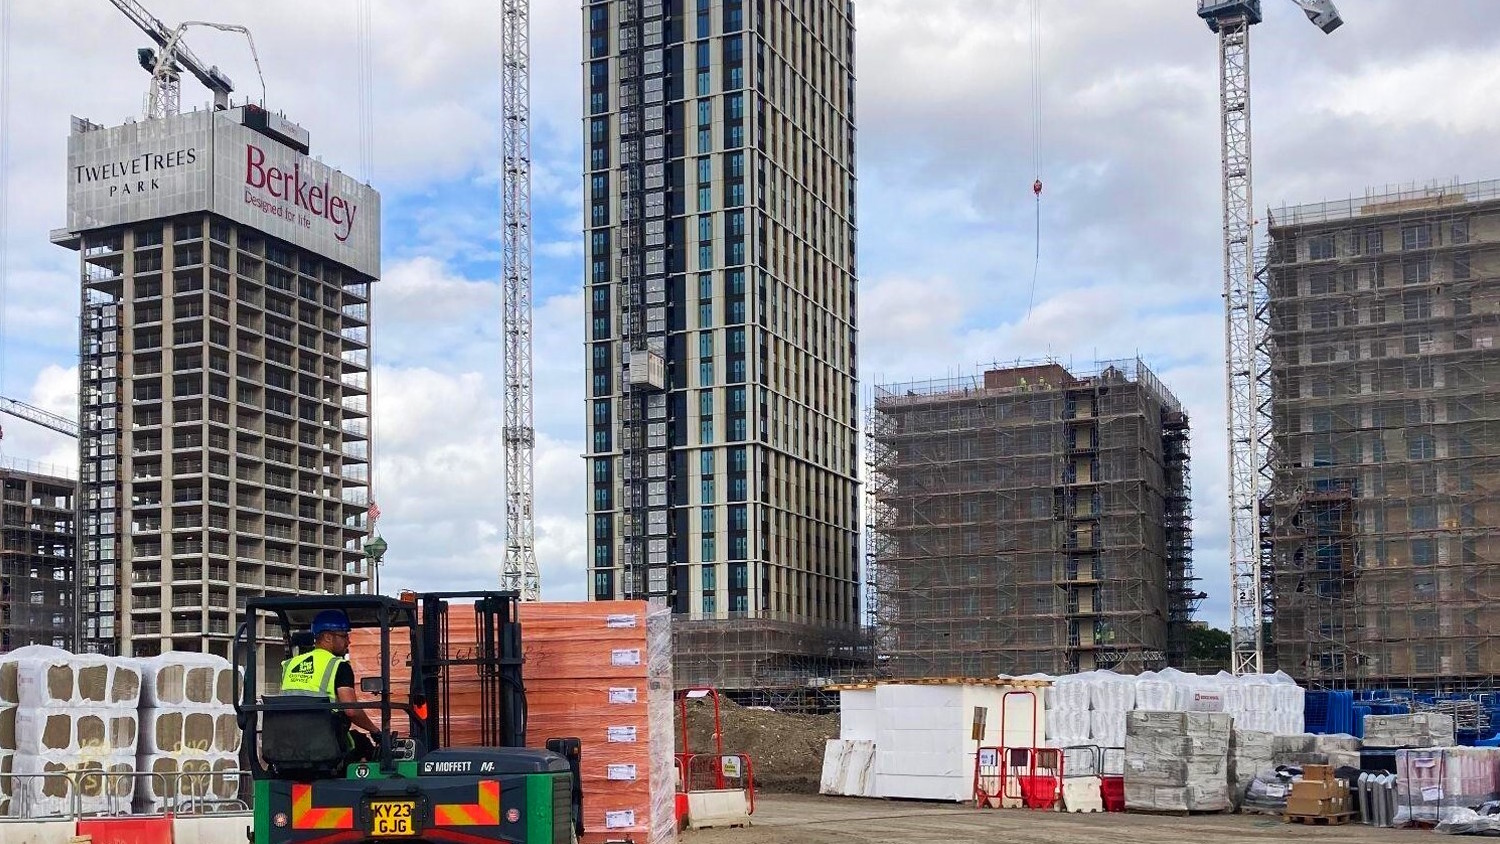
486	812
305	816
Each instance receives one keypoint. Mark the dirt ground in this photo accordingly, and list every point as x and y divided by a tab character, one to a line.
804	819
786	750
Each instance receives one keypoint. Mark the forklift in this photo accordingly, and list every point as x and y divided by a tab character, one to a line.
309	788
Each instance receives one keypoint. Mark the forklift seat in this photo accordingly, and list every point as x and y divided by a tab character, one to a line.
300	742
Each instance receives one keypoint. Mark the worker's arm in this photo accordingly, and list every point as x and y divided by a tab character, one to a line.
344	688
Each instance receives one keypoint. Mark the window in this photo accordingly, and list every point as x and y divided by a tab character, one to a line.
1416	272
1458	231
1320	284
1462	268
1424	517
1423	552
1374	242
1416	237
1416	306
1320	247
708	549
1420	447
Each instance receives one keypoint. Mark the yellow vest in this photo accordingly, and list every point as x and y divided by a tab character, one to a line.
310	674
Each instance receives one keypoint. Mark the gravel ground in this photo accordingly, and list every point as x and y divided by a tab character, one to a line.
803	819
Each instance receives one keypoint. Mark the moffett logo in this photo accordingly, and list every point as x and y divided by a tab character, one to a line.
318	200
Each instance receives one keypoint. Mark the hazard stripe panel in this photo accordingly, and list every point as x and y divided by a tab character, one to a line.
486	812
306	816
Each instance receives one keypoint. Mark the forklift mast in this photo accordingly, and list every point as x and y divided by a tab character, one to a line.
492	662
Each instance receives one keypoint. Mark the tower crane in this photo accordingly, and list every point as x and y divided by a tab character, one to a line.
1244	332
164	99
37	416
520	572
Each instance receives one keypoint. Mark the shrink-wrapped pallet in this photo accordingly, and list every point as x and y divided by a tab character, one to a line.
1177	761
1424	729
597	670
1251	754
1440	784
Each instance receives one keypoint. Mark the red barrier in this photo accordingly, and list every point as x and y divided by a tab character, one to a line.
127	830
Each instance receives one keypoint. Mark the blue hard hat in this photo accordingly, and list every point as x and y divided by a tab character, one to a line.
330	621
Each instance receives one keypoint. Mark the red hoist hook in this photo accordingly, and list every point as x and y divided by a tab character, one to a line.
1036	187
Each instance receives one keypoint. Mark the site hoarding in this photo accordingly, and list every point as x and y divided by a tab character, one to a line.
206	161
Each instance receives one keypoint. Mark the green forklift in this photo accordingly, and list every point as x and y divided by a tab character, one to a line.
404	782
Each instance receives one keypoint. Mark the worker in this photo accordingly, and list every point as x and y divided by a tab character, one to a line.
325	671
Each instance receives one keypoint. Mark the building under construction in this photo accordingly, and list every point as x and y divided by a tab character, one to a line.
1383	521
37	541
1031	520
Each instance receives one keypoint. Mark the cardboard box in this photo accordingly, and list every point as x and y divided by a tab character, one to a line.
1318	798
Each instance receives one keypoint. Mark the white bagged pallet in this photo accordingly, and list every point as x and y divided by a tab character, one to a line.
168	781
197	731
1111	691
47	676
1067	727
1071	692
188	679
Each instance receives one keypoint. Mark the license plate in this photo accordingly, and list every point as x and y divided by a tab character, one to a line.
393	818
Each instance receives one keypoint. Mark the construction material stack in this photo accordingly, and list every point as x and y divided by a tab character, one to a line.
1177	761
1435	785
1254	785
188	730
1070	711
1111	696
72	713
1319	796
1426	729
602	671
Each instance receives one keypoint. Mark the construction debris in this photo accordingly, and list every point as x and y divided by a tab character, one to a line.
786	750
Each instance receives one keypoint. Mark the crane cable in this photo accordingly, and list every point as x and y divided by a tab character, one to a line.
366	89
5	132
1036	140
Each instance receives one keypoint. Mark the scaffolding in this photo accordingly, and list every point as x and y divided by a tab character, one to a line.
1030	520
1384	522
769	662
36	555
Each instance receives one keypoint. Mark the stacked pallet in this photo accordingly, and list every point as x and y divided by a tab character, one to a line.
188	730
599	671
1177	761
62	712
602	671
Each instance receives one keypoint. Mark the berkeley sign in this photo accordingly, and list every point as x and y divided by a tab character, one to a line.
318	200
206	161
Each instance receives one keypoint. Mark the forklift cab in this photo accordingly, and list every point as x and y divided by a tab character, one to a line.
304	738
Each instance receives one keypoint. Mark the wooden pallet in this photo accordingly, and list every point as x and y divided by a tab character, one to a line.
1319	820
1178	813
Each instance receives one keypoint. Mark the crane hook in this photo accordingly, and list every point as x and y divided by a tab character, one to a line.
1036	187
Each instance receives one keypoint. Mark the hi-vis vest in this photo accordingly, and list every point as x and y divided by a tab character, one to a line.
310	674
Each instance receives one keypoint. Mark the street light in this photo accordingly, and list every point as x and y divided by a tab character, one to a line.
375	555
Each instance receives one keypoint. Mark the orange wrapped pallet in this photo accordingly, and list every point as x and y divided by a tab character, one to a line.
599	671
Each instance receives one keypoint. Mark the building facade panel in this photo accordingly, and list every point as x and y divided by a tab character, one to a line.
1384	521
720	346
224	379
1030	521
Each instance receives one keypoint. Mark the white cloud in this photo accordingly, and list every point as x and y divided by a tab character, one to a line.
1130	217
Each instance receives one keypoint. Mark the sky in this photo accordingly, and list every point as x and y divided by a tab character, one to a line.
1124	245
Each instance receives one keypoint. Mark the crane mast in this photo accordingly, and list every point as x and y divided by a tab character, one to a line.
1245	333
520	572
